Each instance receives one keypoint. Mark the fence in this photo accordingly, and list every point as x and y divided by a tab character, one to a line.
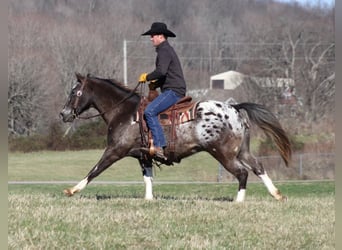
302	167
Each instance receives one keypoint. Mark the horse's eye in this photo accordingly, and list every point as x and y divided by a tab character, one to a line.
73	89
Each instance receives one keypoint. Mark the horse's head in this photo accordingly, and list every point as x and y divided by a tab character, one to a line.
78	101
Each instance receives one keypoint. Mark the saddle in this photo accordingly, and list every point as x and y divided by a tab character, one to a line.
182	111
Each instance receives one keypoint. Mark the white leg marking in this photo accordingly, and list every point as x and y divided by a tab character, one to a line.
148	188
81	185
269	184
241	195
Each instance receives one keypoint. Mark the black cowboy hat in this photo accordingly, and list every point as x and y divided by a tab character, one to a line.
159	28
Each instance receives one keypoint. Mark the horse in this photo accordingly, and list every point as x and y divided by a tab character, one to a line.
219	128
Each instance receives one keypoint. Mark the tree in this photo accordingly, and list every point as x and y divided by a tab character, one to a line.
51	40
25	71
299	50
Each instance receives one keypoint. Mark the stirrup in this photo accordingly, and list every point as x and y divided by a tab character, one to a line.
154	152
159	153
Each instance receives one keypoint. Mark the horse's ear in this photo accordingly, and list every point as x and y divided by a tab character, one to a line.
79	76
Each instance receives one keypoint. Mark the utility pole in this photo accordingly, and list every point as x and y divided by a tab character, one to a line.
125	61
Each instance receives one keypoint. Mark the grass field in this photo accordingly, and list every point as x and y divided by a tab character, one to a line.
183	216
74	165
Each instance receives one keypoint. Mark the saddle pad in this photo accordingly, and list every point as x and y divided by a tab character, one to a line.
182	115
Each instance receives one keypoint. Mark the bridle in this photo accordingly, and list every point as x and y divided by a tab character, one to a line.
80	92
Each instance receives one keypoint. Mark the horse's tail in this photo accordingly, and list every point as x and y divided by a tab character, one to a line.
262	117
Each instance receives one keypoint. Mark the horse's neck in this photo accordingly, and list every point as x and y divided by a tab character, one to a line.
114	105
120	112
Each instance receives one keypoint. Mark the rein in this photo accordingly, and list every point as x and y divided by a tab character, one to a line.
80	92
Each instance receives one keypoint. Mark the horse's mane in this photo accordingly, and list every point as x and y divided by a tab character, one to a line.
112	82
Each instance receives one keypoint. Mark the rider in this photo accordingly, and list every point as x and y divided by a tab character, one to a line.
168	75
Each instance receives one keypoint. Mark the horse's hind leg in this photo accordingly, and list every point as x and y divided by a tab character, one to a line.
241	174
252	163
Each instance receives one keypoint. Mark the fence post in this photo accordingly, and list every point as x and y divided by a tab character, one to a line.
219	174
301	166
125	61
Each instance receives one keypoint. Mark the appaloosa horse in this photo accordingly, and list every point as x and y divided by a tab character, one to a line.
219	128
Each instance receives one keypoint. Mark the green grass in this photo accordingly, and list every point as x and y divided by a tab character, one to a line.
183	216
74	165
217	191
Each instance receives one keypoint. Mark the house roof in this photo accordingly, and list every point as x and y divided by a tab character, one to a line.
228	75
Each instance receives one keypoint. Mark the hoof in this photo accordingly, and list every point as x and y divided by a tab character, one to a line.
148	198
68	192
283	198
280	197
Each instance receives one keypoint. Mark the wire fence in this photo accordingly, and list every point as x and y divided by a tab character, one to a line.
307	166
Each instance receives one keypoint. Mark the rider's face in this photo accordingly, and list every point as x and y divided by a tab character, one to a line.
157	39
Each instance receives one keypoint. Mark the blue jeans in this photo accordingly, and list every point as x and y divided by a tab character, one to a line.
158	105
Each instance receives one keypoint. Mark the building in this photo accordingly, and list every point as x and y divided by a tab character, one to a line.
226	80
230	80
238	86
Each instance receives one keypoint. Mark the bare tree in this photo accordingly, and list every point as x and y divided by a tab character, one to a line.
26	69
299	50
319	78
50	40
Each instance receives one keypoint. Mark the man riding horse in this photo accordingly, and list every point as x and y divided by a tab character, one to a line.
168	75
222	129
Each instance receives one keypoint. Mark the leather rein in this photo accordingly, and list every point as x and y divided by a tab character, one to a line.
80	92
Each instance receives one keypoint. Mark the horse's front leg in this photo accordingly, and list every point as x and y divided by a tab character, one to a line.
147	171
107	159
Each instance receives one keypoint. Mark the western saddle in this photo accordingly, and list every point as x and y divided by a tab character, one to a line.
181	112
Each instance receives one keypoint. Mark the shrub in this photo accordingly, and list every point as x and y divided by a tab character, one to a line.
88	136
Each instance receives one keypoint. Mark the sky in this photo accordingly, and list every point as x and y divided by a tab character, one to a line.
323	3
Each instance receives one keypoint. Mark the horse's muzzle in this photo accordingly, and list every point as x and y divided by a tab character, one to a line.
67	115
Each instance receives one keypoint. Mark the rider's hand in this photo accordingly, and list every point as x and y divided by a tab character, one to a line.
153	84
142	78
